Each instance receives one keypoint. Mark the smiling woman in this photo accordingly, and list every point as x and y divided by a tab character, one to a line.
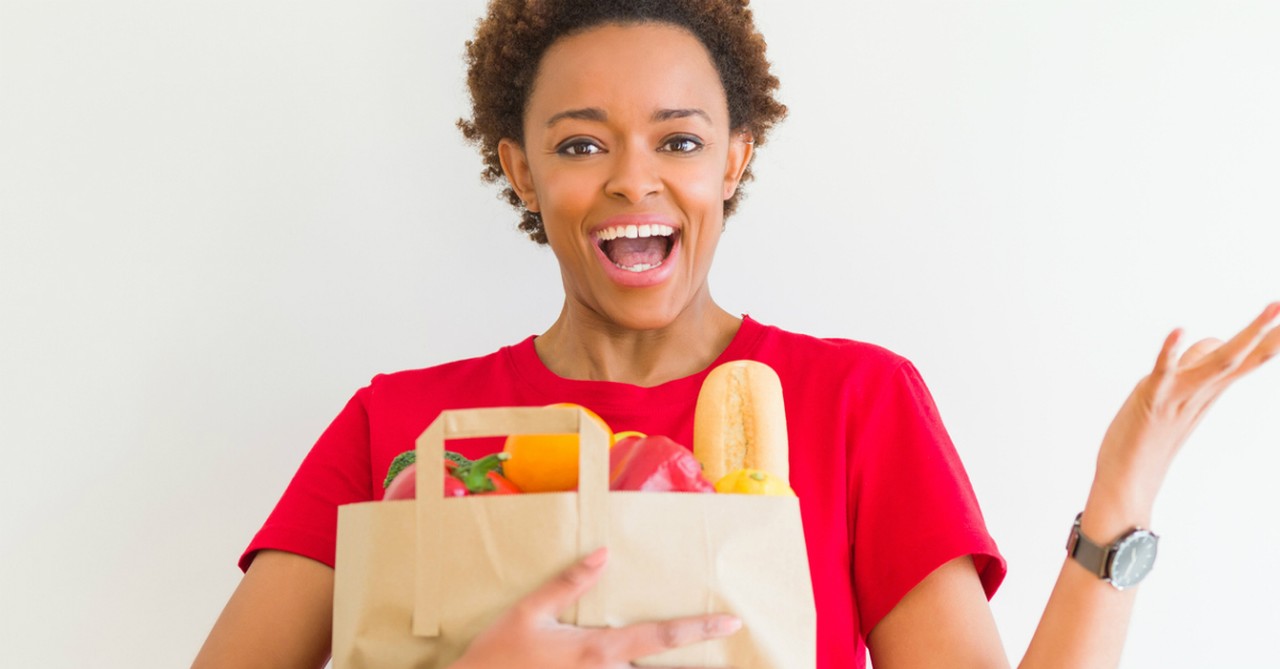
505	60
623	132
627	130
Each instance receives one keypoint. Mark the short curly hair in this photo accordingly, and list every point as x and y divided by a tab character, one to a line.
503	58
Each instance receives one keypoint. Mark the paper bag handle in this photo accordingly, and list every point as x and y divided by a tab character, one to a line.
593	491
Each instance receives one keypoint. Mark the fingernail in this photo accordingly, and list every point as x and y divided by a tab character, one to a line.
597	557
726	625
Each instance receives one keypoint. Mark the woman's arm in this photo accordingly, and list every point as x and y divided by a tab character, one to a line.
281	615
1085	622
945	620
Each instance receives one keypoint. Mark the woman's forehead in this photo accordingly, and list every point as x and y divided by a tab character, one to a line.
633	70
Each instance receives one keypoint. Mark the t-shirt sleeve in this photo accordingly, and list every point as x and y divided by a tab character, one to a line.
335	472
915	506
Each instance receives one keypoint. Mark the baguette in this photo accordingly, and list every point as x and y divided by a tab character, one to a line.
740	421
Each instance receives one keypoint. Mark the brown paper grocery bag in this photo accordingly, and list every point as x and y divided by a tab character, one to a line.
416	579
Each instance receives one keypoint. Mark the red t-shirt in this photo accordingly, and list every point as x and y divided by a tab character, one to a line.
883	497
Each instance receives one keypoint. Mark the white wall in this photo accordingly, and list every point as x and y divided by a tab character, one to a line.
221	218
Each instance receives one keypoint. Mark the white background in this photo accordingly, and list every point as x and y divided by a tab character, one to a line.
219	219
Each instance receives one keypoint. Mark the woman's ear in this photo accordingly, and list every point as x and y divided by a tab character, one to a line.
515	164
741	147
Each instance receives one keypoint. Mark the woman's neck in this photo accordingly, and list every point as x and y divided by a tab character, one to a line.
581	345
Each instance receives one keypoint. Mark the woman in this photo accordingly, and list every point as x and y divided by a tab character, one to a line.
607	116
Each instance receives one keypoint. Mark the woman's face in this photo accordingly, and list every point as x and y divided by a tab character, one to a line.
628	156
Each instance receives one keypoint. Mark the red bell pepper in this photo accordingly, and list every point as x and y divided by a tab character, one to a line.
655	464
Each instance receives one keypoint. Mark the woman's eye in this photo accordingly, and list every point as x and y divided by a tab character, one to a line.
682	144
579	147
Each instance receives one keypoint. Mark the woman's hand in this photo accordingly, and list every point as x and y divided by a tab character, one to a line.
1085	621
1164	408
528	634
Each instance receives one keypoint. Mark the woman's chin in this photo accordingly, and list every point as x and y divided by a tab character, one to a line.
638	314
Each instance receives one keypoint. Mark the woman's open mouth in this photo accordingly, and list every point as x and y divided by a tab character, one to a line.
637	251
637	248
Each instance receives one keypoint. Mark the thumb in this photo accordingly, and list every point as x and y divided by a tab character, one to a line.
567	587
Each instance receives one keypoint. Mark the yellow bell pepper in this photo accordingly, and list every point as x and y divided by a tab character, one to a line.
753	482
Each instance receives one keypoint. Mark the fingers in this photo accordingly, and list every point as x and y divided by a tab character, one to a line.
562	591
622	643
1266	350
1228	358
1168	353
642	639
1197	351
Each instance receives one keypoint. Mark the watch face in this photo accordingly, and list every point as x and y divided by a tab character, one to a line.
1134	557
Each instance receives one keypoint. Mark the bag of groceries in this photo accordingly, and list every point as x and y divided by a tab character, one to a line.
417	579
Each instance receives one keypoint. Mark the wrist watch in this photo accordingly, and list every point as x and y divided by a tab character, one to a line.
1123	563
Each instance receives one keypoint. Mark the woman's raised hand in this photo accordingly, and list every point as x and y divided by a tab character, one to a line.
1165	407
1085	621
528	634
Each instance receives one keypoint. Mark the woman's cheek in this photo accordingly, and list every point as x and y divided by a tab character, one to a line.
572	194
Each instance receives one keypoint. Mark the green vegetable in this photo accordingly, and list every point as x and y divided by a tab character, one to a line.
409	457
457	459
476	474
403	460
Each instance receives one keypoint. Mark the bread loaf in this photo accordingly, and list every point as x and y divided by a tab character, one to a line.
740	421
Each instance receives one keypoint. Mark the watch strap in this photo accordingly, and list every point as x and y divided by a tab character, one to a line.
1087	552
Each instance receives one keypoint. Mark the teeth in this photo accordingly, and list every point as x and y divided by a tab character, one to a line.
638	268
636	231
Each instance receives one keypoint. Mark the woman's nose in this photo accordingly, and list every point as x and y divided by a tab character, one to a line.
634	175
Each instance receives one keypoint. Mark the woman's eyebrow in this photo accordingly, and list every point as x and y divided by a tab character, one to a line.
597	114
668	114
587	114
